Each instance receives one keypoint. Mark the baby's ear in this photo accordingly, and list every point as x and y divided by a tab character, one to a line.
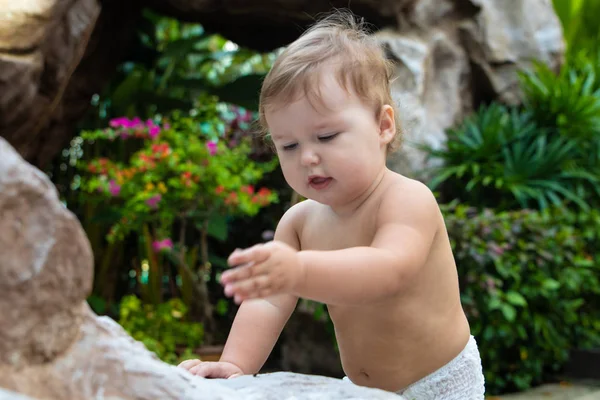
387	124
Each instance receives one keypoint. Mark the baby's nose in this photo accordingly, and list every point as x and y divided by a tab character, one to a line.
309	157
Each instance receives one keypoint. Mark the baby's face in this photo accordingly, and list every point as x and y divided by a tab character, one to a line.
334	153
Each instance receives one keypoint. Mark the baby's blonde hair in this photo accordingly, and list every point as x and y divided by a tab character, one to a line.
359	62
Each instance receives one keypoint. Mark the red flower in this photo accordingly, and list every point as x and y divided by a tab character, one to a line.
232	198
248	189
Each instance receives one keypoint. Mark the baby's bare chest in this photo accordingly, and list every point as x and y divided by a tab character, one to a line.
325	232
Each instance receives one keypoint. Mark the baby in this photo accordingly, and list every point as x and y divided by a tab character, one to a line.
369	242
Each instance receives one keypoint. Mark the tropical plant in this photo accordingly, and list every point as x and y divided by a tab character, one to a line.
580	25
567	103
500	158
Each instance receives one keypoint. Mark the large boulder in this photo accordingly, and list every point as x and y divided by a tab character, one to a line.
451	55
54	56
52	346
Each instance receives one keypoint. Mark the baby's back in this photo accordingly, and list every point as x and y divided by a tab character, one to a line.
402	338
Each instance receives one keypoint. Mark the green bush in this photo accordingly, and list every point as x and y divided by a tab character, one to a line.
567	103
542	154
499	158
162	329
579	19
530	286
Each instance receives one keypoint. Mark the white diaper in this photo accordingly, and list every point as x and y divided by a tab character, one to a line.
460	379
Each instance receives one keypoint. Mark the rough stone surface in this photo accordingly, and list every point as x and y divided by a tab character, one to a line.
286	385
10	395
44	253
453	55
52	346
41	45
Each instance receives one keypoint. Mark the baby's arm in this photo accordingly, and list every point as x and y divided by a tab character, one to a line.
407	223
255	330
408	220
257	325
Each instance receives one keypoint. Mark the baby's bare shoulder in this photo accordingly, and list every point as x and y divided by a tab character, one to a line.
296	215
409	193
408	199
300	210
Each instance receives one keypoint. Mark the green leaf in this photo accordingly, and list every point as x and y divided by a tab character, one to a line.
217	227
550	284
243	91
516	299
181	48
509	312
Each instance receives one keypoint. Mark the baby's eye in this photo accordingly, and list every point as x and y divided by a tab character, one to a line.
290	146
328	137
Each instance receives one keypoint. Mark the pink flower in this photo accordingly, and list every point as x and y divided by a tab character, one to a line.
114	188
118	122
153	131
160	245
212	147
135	123
124	122
247	116
153	201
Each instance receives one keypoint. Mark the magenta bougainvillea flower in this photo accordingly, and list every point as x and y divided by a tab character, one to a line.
162	245
114	188
212	147
153	201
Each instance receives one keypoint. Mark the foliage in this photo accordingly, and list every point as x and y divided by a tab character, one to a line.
174	63
567	103
171	183
530	285
183	170
163	329
499	158
543	154
173	209
579	22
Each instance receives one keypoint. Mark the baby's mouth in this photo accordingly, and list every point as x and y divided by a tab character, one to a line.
319	182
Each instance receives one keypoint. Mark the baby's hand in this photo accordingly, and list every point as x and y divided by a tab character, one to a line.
264	270
208	369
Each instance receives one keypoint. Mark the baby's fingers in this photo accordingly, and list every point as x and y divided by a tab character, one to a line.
187	364
239	273
217	370
260	286
256	254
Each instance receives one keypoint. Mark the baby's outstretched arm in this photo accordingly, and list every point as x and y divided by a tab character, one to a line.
406	227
